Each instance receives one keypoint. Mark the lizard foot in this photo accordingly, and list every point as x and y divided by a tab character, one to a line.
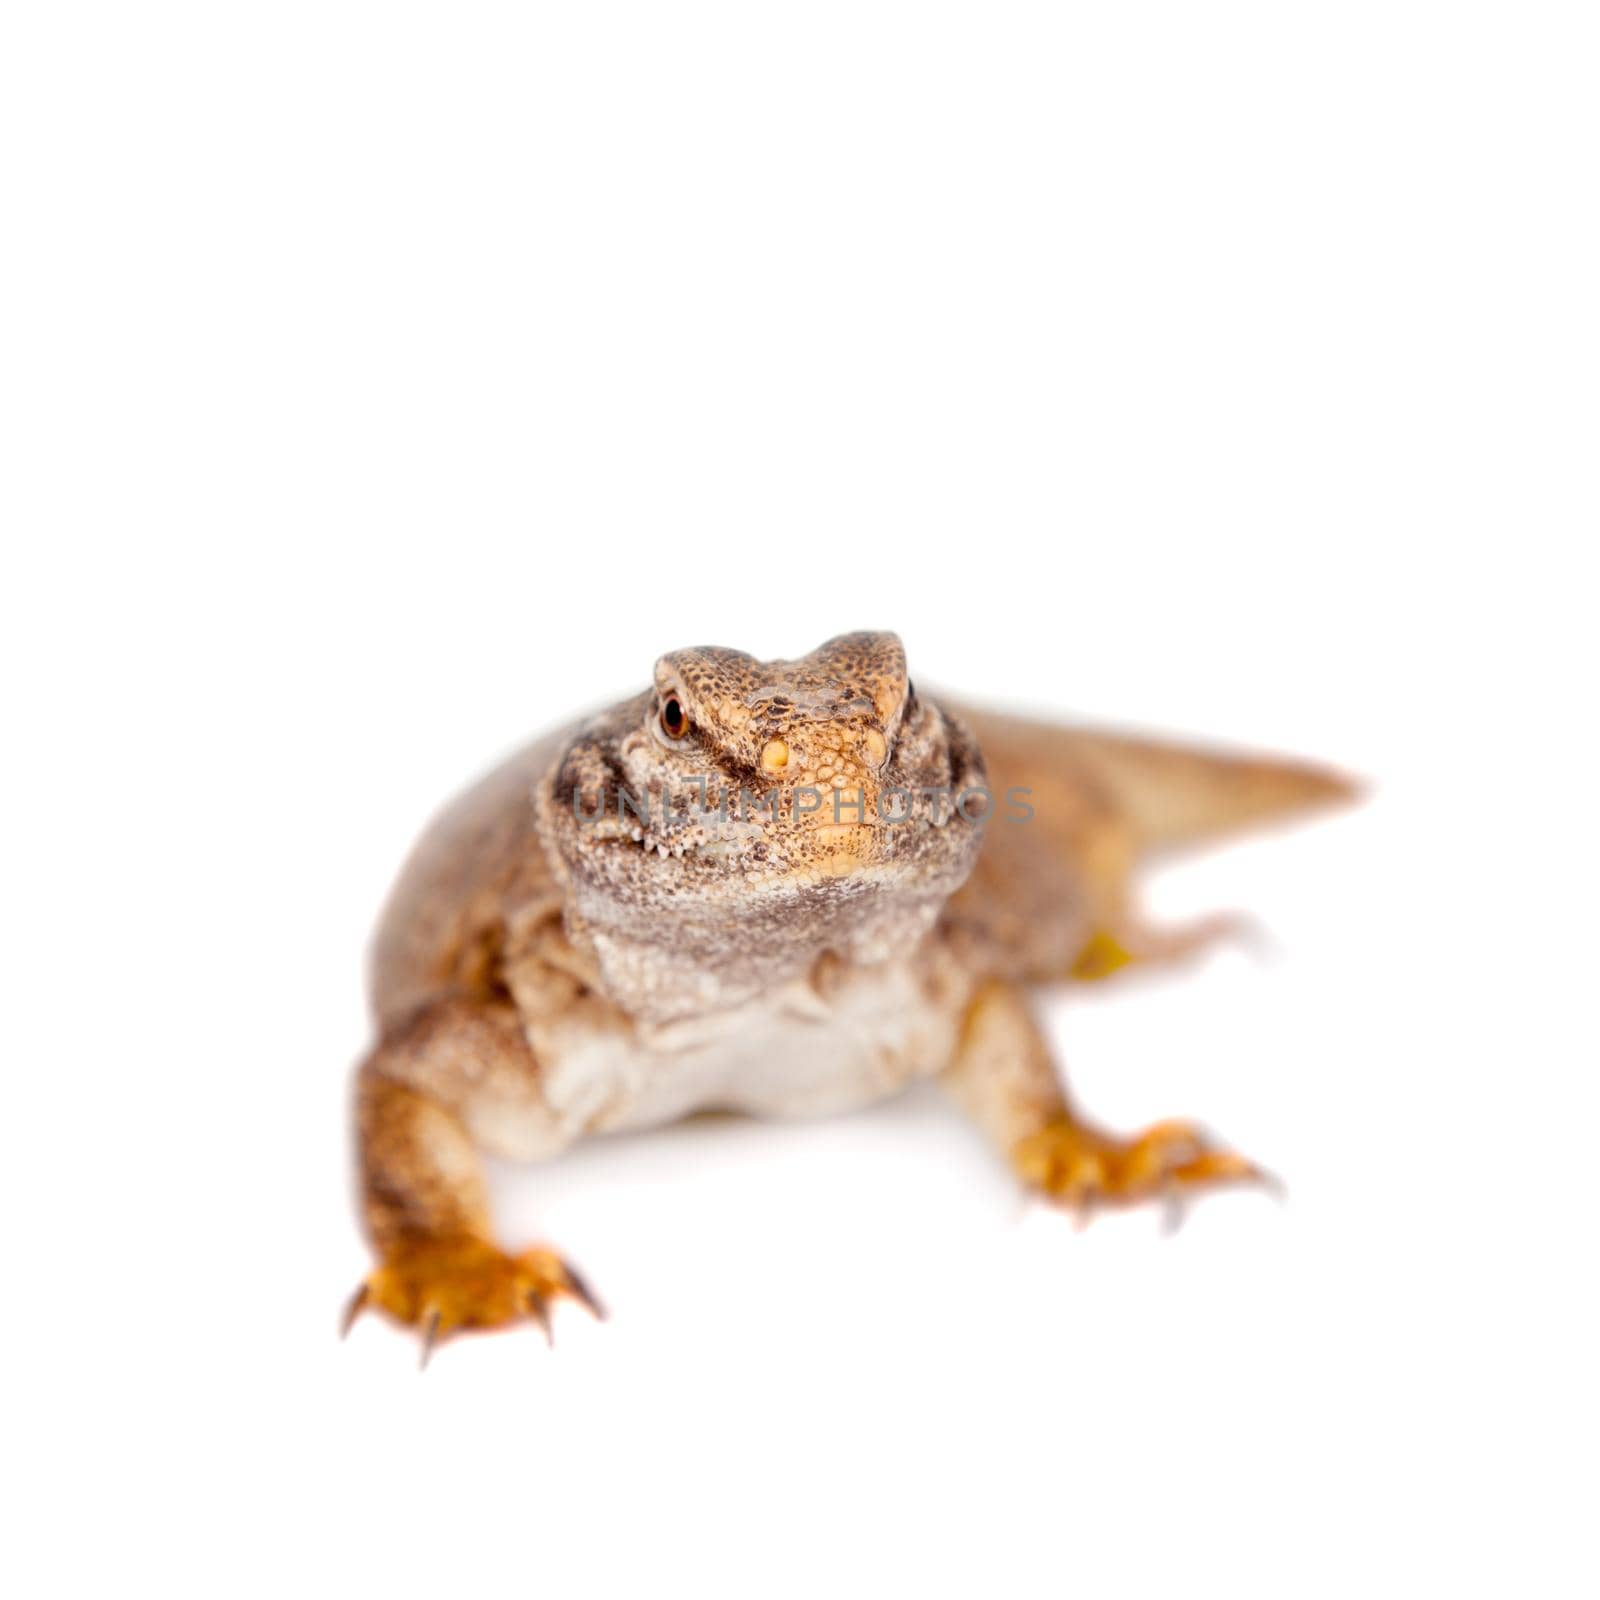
1085	1168
442	1285
1107	951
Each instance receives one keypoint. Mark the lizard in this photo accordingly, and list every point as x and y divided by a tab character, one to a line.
784	888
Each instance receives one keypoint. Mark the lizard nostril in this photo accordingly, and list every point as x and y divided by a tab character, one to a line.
876	747
774	756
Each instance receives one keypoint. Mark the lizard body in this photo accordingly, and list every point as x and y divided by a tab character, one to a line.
786	888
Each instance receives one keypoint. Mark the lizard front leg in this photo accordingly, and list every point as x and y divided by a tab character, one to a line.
1004	1078
424	1199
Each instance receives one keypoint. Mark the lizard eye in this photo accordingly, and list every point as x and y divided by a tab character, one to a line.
674	719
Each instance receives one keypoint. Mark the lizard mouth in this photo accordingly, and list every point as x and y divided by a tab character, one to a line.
702	851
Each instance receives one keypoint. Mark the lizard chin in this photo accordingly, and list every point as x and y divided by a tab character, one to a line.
715	917
716	955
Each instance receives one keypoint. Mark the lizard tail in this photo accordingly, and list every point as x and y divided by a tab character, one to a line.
1176	795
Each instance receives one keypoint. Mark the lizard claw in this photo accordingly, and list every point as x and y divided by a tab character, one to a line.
430	1335
356	1304
539	1311
582	1293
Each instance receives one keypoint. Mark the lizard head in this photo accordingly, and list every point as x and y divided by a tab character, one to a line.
721	831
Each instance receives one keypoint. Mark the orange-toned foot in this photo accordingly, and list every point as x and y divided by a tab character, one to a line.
1084	1167
442	1285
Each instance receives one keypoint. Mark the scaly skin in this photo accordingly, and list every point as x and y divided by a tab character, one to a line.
885	882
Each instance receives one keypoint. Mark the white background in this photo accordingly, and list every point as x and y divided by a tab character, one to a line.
382	384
